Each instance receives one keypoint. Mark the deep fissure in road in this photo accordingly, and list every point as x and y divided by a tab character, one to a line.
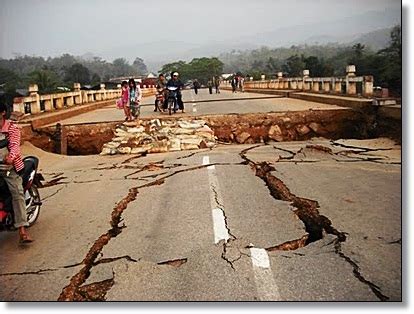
88	139
307	211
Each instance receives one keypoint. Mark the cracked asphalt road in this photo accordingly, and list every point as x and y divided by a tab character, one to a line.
123	228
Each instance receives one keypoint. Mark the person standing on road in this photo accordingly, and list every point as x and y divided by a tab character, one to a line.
176	82
125	100
210	86
241	83
11	169
217	84
135	96
196	86
234	83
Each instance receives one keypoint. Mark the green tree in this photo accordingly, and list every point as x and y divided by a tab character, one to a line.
77	73
140	66
95	79
46	80
389	62
121	67
294	66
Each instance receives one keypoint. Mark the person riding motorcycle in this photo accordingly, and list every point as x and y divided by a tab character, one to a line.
175	82
162	89
11	168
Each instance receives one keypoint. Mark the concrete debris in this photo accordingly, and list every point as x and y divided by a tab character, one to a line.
275	133
158	136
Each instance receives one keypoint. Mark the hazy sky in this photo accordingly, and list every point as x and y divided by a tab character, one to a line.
53	27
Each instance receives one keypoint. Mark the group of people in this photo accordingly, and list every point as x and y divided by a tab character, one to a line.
214	82
131	96
237	83
162	88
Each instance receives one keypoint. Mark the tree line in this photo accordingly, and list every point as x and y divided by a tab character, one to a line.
322	61
49	73
202	69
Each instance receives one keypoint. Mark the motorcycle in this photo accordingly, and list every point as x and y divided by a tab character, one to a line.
172	99
31	196
159	101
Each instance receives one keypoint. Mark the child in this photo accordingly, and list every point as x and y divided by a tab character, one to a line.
134	98
125	100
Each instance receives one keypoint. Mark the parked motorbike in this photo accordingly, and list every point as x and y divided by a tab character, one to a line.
31	195
172	99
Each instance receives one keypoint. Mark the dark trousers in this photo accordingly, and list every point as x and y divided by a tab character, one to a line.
196	90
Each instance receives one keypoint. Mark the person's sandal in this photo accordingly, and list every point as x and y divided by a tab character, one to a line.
25	238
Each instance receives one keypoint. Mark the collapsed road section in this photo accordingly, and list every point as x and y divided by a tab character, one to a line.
169	134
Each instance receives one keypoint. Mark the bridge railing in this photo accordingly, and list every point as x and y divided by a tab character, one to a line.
36	103
347	85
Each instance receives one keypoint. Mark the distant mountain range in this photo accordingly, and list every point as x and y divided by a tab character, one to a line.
371	29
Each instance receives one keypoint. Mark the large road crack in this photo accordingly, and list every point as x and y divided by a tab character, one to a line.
307	211
74	290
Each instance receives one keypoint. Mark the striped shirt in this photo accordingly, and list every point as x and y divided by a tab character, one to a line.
12	133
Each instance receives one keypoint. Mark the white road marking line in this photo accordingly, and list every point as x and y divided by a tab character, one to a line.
219	225
219	222
267	289
260	257
206	161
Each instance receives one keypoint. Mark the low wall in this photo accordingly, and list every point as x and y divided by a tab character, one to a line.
35	103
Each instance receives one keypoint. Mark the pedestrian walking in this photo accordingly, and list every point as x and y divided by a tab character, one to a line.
241	84
210	86
125	100
196	86
217	84
234	83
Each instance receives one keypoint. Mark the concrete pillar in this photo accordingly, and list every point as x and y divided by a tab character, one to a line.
306	85
351	90
300	84
102	86
35	103
118	86
59	102
77	90
315	85
368	85
326	86
350	86
293	84
49	104
18	106
262	77
337	86
85	98
70	101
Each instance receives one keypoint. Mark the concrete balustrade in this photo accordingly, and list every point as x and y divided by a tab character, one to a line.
317	84
32	103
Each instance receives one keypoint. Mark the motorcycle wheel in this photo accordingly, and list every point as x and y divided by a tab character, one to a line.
170	106
33	207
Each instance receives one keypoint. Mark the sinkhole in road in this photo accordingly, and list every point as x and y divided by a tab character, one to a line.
90	138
